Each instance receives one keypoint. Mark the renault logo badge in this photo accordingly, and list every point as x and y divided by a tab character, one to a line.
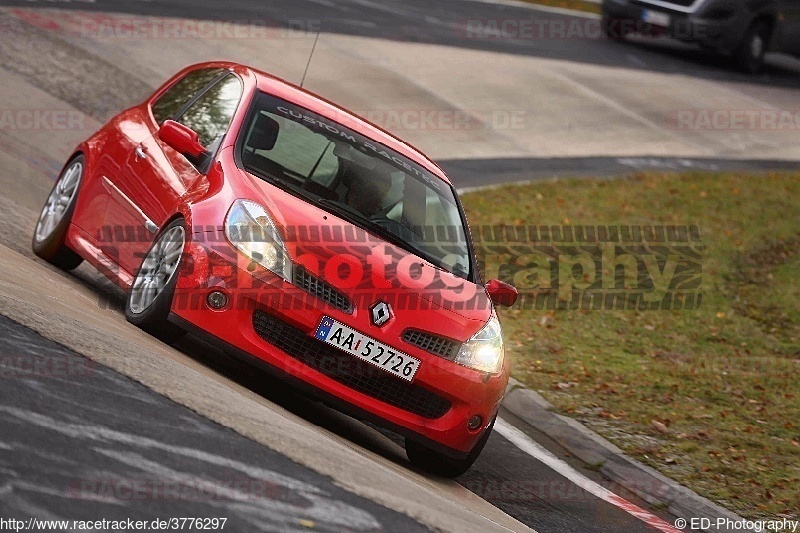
381	313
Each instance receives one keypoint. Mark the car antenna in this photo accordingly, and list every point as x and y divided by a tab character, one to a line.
309	58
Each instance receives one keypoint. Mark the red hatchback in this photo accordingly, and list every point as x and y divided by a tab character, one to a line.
297	235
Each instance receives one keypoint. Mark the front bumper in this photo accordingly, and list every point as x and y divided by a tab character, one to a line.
721	30
272	323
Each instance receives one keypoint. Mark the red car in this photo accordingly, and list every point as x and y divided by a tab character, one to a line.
293	233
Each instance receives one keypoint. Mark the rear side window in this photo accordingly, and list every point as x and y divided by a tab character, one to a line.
211	114
170	103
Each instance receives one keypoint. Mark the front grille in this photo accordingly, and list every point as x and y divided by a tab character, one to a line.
441	346
321	289
348	370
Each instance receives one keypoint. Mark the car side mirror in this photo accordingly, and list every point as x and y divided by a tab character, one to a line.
182	138
501	293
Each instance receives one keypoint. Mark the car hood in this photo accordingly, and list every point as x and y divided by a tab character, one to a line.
359	263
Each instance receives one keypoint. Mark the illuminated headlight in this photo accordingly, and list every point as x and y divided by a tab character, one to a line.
251	230
484	351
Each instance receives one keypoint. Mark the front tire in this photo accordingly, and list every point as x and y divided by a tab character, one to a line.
51	228
439	464
749	56
149	299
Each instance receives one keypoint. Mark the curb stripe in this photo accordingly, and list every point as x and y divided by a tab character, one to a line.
535	450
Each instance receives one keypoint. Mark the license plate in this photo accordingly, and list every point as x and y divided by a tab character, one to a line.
367	349
656	18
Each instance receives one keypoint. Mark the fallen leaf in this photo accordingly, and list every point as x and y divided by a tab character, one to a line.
660	426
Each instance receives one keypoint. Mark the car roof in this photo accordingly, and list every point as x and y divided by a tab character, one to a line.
313	102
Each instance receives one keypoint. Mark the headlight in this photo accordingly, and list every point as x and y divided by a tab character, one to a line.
251	230
484	351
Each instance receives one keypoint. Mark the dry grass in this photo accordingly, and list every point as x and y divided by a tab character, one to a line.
709	397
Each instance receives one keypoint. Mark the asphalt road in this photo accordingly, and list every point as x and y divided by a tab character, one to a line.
437	75
443	22
75	431
586	106
82	442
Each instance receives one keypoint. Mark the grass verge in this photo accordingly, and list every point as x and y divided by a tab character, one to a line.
709	397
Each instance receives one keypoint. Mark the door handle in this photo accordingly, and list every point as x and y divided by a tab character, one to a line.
140	153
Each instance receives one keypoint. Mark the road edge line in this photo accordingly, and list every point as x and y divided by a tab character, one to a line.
525	443
642	480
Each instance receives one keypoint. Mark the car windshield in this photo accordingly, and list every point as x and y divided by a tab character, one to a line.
358	179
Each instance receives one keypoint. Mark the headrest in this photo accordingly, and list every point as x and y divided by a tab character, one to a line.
345	151
374	178
264	133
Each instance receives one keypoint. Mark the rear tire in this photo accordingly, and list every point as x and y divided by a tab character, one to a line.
749	56
149	299
51	228
439	464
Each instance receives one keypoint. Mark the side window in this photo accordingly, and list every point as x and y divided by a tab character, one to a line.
211	114
170	103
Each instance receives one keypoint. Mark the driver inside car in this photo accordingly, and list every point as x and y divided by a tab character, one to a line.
367	186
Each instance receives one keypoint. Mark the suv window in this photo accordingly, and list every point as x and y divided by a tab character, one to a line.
170	103
211	114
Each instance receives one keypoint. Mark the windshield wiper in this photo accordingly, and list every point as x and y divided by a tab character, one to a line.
352	215
355	216
278	182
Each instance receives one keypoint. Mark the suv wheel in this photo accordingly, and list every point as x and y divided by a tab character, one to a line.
750	54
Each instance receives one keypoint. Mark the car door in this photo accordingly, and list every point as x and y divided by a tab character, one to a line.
154	176
168	174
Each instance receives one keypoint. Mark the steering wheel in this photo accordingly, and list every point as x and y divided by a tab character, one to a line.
400	229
